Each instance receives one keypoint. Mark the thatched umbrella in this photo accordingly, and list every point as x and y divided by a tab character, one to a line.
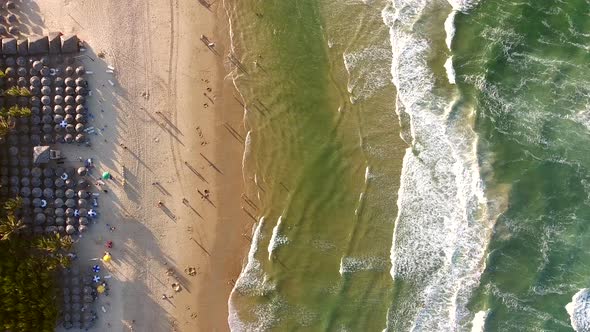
35	119
48	182
13	150
21	61
58	81
45	100
47	119
83	194
33	72
37	192
46	110
58	99
35	81
80	81
25	192
69	212
36	182
59	212
58	203
71	221
60	221
35	110
82	203
25	182
83	211
69	71
59	183
45	81
81	91
70	203
69	119
35	101
70	183
69	109
13	191
37	65
79	126
47	128
10	72
80	100
10	61
59	90
47	139
70	193
83	184
51	229
58	118
40	218
80	118
48	193
36	202
48	171
14	181
69	100
82	171
59	193
83	221
45	71
21	82
80	71
70	91
25	171
59	131
80	138
69	81
70	229
34	90
68	138
21	71
82	228
80	109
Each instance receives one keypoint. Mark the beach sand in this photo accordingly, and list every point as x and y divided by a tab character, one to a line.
161	143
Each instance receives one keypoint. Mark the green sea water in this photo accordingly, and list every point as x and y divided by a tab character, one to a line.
389	198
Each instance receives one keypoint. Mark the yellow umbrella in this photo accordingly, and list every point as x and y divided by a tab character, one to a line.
100	289
106	258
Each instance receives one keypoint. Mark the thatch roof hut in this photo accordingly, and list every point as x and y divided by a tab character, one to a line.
54	42
69	44
9	46
41	155
38	45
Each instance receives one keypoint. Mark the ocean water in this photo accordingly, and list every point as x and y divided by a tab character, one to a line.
416	165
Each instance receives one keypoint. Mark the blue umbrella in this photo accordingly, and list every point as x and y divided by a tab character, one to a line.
95	268
96	279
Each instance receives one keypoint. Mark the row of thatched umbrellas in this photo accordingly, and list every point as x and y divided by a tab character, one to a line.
78	296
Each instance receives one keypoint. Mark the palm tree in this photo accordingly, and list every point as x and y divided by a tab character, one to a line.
13	204
52	244
10	226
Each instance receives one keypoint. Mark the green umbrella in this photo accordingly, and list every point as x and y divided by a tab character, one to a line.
106	176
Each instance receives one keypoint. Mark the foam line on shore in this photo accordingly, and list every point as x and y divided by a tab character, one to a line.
442	230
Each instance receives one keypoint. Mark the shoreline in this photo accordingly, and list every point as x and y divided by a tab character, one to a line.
172	149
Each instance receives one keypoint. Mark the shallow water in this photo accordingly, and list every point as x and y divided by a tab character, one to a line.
417	165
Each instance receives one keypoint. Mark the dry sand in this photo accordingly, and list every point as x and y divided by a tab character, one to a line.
154	128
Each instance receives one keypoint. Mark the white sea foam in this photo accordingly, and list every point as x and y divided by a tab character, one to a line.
479	321
579	310
366	71
356	264
450	70
442	229
450	28
276	239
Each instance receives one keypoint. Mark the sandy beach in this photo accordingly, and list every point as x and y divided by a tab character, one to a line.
163	132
